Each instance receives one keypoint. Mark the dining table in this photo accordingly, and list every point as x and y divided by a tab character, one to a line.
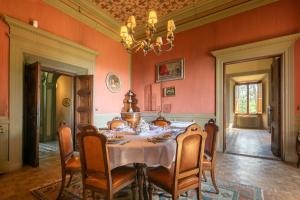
147	148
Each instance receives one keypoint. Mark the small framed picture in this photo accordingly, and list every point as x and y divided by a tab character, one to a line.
169	91
170	70
113	82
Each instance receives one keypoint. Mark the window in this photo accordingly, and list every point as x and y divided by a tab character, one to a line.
248	98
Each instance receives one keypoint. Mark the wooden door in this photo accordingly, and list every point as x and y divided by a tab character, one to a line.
275	107
31	113
83	101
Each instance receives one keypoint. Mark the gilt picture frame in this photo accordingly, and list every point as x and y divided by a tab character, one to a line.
169	91
169	70
113	82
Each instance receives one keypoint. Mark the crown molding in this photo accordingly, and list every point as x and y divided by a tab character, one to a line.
88	14
205	12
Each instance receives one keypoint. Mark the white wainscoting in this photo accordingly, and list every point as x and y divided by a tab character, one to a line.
4	144
200	119
297	122
101	119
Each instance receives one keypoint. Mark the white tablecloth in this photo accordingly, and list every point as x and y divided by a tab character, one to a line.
139	150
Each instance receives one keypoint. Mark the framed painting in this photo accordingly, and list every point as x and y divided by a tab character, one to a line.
113	82
169	92
170	70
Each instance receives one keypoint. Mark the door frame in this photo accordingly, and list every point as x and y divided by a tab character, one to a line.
283	46
29	44
225	77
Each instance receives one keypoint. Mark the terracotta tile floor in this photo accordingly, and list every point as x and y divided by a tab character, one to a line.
279	181
249	142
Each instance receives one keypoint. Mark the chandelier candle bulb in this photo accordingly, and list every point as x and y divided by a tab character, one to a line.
152	18
171	25
124	32
131	23
149	43
159	41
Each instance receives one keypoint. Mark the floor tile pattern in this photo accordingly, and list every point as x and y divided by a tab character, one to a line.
250	142
279	181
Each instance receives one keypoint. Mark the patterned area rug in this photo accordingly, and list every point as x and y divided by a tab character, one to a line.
228	191
48	149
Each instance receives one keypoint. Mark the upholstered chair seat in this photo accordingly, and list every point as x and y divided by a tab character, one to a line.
163	178
73	163
119	176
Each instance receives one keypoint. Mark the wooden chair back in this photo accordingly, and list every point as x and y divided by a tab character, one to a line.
94	156
212	131
189	154
161	121
88	128
65	141
115	123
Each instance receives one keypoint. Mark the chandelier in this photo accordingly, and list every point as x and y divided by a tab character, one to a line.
149	43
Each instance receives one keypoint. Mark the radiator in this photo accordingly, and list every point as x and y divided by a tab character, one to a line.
248	121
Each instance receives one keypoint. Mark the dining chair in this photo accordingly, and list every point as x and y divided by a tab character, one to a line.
161	121
116	122
186	174
209	161
70	162
88	128
96	173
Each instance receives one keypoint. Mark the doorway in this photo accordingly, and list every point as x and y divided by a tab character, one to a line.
56	106
252	108
52	97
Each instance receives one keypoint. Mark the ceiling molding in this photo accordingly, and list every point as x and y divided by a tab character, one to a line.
203	12
206	12
88	14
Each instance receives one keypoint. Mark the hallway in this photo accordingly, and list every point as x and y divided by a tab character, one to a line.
250	142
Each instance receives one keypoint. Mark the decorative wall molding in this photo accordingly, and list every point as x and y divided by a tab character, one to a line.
29	44
283	46
297	122
200	119
101	119
205	12
88	14
192	16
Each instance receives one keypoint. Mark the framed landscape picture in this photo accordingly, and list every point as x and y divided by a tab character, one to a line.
169	91
170	70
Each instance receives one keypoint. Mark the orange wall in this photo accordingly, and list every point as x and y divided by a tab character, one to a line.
196	93
54	21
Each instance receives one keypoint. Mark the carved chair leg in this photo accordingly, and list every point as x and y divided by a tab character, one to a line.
70	179
199	194
204	176
134	189
83	193
93	195
150	190
174	197
213	178
63	180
